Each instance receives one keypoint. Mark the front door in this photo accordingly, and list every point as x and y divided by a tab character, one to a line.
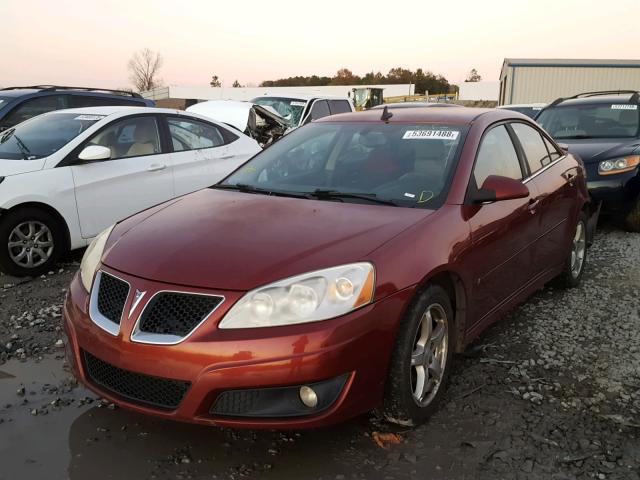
137	176
503	233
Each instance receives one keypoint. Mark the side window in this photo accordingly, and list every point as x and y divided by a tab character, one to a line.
32	108
534	148
339	106
79	101
496	156
131	137
188	134
554	154
320	109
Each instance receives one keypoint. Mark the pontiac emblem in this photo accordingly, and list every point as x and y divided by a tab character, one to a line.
136	300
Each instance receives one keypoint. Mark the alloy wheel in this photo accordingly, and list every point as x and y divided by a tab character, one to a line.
30	244
578	248
429	356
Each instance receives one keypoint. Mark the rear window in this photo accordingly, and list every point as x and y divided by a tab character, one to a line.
602	120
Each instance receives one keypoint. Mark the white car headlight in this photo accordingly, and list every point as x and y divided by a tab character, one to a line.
618	165
310	297
92	256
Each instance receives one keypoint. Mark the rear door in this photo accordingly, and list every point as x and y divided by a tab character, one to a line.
503	233
203	153
556	195
137	176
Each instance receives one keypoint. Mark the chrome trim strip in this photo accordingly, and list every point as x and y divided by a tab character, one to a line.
138	336
543	169
136	301
97	318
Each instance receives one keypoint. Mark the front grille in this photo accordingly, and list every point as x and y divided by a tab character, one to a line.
158	392
112	295
176	314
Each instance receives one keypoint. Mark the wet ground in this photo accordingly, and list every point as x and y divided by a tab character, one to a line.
552	392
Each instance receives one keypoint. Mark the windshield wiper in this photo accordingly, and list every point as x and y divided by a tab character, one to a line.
574	137
26	153
321	194
246	188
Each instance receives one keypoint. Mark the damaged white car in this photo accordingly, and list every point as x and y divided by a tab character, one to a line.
262	124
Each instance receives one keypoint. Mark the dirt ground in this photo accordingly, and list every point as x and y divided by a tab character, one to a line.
552	392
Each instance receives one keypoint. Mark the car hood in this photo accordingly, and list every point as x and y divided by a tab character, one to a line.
594	150
238	241
16	167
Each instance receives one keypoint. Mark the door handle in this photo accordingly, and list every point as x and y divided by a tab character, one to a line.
533	205
154	167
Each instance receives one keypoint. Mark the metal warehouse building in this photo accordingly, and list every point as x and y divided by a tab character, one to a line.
529	80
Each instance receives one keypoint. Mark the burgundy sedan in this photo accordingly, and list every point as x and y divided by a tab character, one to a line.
337	271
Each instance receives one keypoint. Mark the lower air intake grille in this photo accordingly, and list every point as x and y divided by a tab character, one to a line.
112	295
176	314
157	392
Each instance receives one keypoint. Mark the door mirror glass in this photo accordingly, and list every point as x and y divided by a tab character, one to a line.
95	152
497	188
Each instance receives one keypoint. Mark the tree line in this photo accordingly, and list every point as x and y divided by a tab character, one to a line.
424	81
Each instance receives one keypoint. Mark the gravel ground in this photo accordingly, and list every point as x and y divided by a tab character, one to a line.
552	392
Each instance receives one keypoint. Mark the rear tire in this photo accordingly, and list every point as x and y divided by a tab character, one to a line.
632	219
31	242
577	257
421	360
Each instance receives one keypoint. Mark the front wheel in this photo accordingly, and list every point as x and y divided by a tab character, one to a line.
421	360
31	242
577	257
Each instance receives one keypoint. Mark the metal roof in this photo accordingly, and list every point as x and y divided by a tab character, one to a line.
568	62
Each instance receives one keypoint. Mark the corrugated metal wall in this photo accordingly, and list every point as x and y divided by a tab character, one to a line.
545	84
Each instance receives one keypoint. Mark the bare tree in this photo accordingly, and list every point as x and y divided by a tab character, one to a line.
473	76
236	84
215	81
143	69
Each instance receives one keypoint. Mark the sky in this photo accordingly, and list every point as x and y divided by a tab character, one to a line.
89	42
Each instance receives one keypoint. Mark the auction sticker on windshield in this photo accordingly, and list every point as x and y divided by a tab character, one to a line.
90	118
431	134
625	106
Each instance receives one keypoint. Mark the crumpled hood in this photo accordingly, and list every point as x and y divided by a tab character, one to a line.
16	167
239	241
597	149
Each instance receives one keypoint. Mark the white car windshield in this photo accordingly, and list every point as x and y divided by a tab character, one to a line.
290	109
43	135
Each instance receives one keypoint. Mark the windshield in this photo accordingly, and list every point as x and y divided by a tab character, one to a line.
407	165
43	135
288	108
601	120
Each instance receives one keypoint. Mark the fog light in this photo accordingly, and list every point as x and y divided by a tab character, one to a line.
308	396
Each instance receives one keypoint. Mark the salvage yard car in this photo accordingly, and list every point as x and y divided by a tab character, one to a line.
300	109
335	272
18	104
260	123
68	174
603	129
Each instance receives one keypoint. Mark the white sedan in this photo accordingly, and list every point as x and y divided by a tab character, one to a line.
68	174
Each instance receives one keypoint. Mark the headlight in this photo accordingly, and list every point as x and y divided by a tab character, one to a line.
618	165
310	297
91	258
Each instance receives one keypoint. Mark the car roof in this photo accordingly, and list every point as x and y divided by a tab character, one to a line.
459	116
523	105
596	99
17	92
302	96
112	110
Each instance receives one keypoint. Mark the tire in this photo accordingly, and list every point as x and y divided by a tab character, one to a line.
632	219
42	238
402	402
572	272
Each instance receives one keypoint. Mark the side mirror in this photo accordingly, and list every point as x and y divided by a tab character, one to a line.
497	188
564	147
95	152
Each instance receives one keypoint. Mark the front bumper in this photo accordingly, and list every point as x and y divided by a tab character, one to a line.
355	347
617	192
